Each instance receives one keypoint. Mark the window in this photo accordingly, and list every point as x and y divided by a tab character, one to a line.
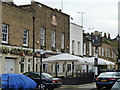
106	52
99	51
25	38
84	48
4	33
29	65
69	67
102	51
63	67
112	54
37	65
78	47
90	50
53	39
23	66
58	68
45	67
52	68
94	51
62	41
73	46
42	37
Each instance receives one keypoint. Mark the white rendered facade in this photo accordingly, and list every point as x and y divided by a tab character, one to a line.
76	39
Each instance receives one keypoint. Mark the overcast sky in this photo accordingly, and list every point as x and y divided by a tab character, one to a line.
102	15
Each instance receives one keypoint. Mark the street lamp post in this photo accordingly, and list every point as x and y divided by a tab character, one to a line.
82	13
118	60
33	40
41	55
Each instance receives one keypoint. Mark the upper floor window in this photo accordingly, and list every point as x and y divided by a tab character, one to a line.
102	51
4	33
106	52
62	41
73	46
94	51
78	47
112	54
25	38
90	50
53	39
99	51
42	37
84	49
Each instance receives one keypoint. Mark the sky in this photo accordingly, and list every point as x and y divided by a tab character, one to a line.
100	15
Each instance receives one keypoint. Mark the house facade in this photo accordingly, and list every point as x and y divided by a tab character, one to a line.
76	39
51	34
108	50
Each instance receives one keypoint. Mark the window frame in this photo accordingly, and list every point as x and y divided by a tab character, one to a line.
25	37
5	33
42	36
62	40
53	38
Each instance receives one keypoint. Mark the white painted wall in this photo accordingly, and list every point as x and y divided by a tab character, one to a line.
76	34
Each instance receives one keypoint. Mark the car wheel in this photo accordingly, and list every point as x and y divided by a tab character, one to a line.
43	87
98	87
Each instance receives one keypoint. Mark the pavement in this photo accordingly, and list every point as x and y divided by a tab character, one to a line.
79	86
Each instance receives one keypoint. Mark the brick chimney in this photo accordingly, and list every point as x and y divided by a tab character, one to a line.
105	35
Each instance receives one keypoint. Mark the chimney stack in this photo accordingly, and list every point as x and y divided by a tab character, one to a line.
109	36
105	35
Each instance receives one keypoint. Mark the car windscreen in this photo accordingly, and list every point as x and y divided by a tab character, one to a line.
45	75
106	75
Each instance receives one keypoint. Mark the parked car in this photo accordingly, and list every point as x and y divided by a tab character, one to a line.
116	86
107	79
13	81
48	82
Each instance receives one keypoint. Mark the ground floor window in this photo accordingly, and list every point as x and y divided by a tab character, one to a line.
23	66
69	67
37	65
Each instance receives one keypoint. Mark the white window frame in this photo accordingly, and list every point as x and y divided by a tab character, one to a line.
73	46
106	52
94	51
25	37
23	63
29	63
102	51
112	54
78	48
42	38
90	48
99	51
52	68
53	39
84	49
5	32
62	40
37	65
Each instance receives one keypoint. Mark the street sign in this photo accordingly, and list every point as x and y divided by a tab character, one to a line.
97	39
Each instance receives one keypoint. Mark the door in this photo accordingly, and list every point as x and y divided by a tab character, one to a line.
9	66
